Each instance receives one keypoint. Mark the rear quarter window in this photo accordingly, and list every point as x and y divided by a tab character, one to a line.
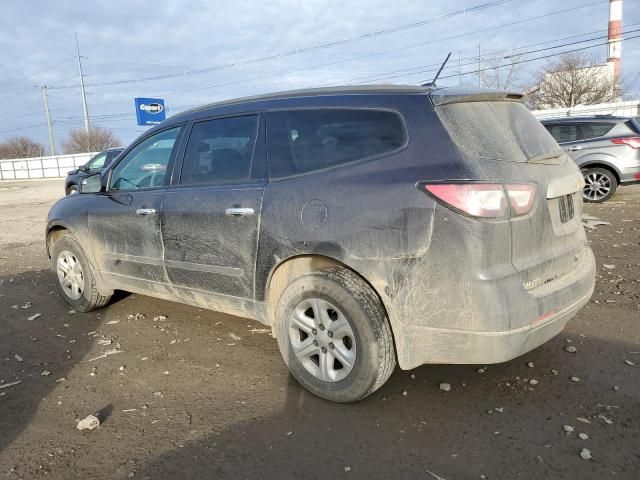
595	130
301	141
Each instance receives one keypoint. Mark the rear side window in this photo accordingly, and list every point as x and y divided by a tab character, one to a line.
564	133
220	151
496	130
301	141
595	130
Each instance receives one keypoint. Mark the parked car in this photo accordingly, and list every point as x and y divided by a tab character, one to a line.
606	148
365	225
97	163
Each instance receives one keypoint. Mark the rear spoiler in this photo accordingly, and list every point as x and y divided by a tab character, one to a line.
444	96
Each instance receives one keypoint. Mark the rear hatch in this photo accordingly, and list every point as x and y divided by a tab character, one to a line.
508	145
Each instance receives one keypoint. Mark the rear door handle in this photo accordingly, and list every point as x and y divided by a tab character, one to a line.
238	211
574	148
145	211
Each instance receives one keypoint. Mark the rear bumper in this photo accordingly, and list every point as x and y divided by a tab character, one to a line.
424	344
630	175
456	346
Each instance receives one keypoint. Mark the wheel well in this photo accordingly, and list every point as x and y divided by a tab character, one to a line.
604	166
54	234
295	267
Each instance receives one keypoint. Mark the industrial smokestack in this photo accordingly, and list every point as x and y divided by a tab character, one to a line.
615	38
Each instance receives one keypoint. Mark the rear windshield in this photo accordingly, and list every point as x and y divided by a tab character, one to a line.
496	130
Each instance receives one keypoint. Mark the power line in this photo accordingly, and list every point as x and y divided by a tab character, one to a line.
30	76
538	58
26	127
302	50
125	115
384	52
374	54
386	76
475	57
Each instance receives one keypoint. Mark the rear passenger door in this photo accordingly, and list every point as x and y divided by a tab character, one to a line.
568	136
211	212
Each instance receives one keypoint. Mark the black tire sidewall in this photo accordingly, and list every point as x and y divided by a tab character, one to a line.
612	179
363	376
85	302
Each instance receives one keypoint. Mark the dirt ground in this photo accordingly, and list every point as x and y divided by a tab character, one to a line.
206	395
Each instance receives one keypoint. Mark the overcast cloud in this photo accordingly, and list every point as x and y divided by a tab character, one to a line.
135	39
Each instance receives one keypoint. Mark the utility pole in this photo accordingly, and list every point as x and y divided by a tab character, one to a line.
479	67
52	143
84	96
459	70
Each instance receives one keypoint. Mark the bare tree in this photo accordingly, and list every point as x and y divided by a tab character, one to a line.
95	140
20	147
501	72
573	79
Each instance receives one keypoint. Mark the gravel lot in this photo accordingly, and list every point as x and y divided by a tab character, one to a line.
206	395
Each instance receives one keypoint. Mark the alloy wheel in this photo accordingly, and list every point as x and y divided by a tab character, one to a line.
597	186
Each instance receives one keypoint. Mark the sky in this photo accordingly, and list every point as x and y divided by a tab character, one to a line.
209	50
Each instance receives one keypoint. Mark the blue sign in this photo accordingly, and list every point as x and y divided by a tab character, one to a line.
150	111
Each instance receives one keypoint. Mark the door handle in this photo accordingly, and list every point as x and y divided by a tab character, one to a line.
238	211
573	149
145	211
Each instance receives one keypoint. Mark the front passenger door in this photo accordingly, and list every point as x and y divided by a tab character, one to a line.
211	217
124	221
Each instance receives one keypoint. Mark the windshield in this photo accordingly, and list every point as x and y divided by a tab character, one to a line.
497	131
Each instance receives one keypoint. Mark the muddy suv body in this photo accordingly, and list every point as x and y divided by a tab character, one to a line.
365	225
605	147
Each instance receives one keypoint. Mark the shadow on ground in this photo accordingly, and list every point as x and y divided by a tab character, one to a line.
495	424
53	342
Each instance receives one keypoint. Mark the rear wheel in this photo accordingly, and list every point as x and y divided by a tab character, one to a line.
599	184
334	335
74	278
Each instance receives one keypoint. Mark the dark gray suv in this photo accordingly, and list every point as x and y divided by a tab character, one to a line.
365	225
606	148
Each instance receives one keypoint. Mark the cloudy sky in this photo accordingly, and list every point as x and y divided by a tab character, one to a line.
197	51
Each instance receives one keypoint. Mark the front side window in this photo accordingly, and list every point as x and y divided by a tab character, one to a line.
301	141
220	151
563	133
145	166
97	162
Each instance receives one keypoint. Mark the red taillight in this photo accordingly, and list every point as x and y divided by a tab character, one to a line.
633	142
486	200
521	197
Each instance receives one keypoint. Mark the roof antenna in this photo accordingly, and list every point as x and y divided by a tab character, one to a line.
432	83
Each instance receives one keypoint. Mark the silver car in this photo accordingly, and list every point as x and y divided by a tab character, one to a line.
606	148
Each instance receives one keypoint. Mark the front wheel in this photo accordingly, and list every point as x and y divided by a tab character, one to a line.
334	335
72	190
599	185
74	277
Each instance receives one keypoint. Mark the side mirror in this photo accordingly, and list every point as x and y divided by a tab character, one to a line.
91	184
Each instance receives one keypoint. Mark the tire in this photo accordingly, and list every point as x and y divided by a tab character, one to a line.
72	189
365	346
67	251
600	184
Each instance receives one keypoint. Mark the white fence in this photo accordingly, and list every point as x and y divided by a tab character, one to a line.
623	109
42	167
